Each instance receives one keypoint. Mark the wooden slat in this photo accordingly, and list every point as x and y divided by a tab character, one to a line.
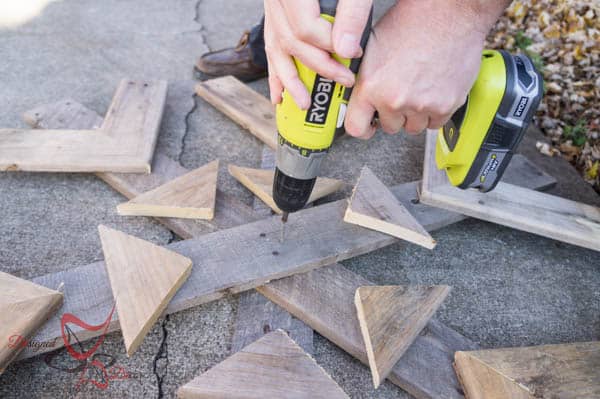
67	114
567	371
241	258
243	105
390	318
272	367
257	316
373	206
260	182
24	307
324	299
125	143
143	278
516	207
191	196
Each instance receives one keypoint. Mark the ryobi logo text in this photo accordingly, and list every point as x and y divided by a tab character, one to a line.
521	106
320	100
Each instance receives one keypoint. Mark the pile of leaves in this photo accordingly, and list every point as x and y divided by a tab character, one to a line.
563	39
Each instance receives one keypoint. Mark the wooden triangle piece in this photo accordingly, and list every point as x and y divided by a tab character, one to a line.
191	196
143	277
391	317
566	371
373	206
260	182
272	367
24	307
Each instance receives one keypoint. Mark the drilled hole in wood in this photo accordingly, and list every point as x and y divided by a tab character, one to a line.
275	253
262	235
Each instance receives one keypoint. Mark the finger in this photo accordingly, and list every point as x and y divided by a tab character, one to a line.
416	123
275	89
350	21
304	17
438	121
392	122
358	117
286	72
321	62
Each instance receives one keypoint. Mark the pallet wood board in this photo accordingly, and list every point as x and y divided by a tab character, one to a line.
143	278
124	142
272	367
390	318
68	114
24	307
257	316
191	196
324	299
208	284
567	371
513	206
242	105
260	182
373	206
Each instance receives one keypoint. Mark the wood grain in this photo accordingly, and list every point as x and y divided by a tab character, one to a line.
243	105
257	316
566	371
191	196
229	211
373	206
124	143
390	318
143	278
324	299
89	295
272	367
517	207
24	307
260	182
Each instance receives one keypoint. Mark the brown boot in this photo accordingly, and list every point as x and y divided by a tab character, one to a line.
235	61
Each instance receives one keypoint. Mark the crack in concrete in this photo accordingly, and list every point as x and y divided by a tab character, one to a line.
162	354
187	129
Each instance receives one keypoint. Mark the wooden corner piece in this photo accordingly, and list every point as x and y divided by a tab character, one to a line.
143	277
391	318
274	366
24	308
260	183
191	196
373	206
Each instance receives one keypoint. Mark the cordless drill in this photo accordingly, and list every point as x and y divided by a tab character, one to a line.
304	136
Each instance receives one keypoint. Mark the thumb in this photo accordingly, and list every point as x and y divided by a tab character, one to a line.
350	20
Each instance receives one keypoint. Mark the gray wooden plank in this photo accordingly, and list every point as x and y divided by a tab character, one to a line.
244	257
257	316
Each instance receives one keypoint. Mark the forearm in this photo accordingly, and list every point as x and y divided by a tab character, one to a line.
456	17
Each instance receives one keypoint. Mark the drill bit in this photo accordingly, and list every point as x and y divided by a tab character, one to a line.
284	218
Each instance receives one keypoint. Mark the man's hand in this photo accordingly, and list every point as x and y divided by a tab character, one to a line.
419	65
294	28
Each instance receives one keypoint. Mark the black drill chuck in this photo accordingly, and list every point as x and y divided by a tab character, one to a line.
291	194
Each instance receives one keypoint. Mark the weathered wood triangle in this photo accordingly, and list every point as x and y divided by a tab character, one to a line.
565	371
391	317
373	206
24	307
143	277
272	367
124	143
191	196
260	182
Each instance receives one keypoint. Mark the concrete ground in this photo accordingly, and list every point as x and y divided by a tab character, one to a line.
509	288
